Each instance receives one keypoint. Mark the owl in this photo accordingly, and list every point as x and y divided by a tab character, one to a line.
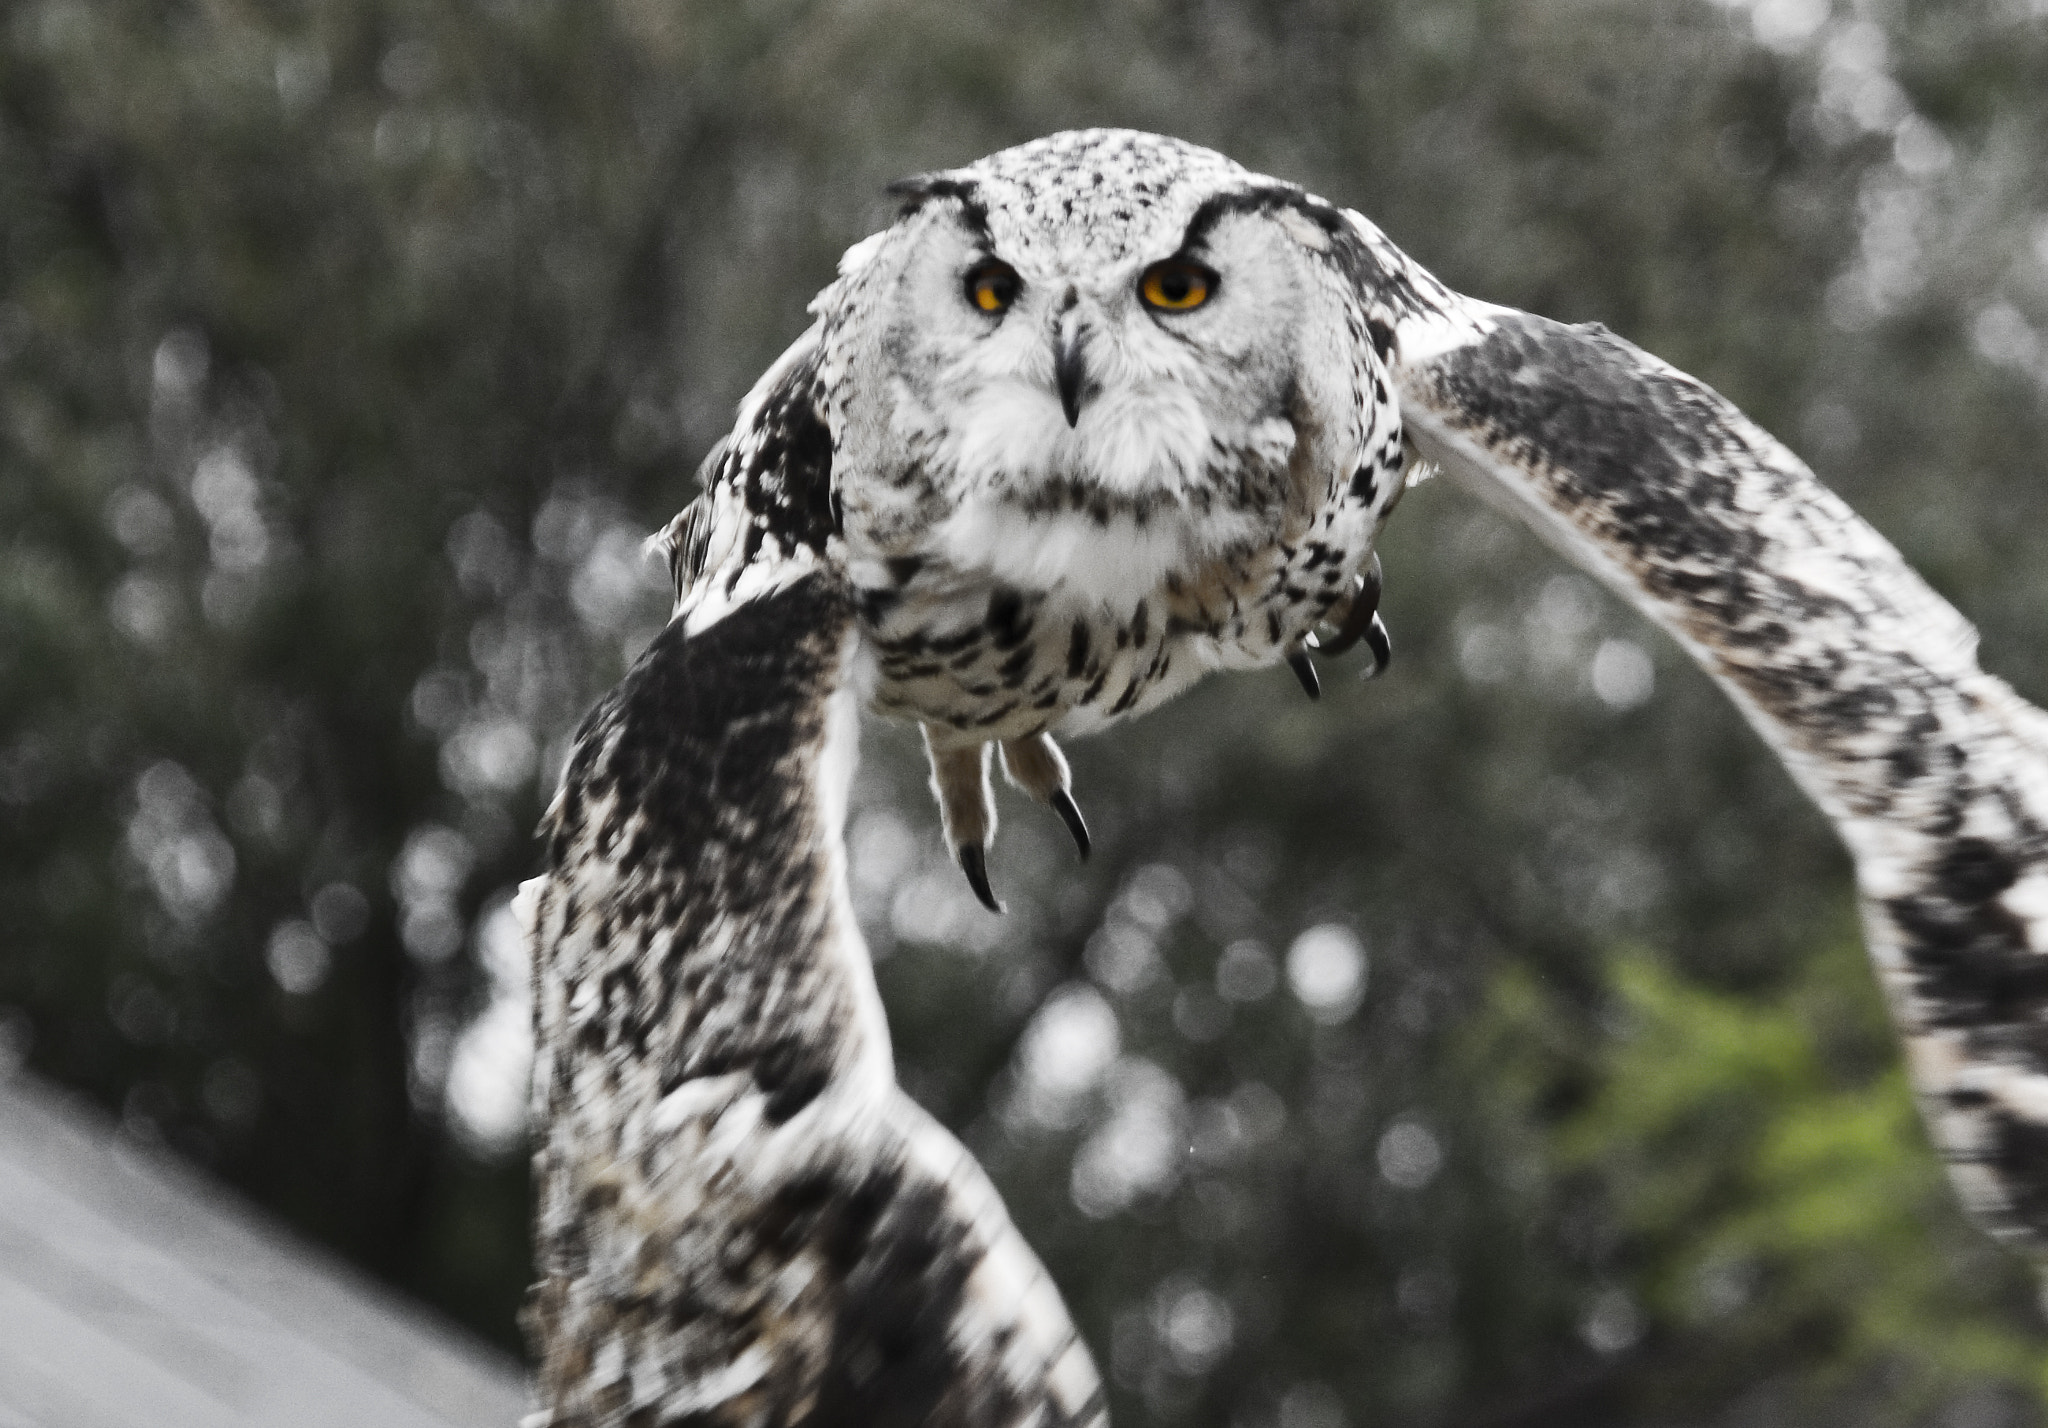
1090	418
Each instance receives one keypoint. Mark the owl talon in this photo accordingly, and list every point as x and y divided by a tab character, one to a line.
1305	670
1035	765
1070	814
1359	614
967	808
1381	645
974	863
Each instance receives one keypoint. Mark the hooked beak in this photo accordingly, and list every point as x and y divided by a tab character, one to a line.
1068	373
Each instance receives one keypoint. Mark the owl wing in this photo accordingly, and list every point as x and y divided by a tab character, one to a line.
742	1220
1861	678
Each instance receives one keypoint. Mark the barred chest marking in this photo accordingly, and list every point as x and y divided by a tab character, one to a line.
1009	663
975	656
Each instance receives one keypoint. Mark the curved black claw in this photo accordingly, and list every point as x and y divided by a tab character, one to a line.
1382	647
1070	814
974	863
1365	604
1371	582
1305	670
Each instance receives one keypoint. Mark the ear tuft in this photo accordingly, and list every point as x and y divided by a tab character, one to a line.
920	189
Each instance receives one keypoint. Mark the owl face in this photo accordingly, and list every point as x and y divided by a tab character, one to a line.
1084	366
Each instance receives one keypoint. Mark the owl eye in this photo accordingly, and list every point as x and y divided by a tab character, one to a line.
992	285
1177	285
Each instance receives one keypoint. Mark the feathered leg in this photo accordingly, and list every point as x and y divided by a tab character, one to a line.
967	807
1036	765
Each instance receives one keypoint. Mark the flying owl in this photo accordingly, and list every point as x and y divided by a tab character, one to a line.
1091	418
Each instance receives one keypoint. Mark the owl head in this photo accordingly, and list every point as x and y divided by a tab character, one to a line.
1093	361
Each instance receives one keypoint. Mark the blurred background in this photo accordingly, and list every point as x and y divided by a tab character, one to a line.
1488	1045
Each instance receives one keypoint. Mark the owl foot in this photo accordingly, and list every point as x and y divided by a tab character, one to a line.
1036	765
967	808
1361	621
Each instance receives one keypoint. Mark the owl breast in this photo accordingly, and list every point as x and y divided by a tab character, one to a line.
999	607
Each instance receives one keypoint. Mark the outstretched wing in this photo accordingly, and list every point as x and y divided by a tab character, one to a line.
742	1220
1862	679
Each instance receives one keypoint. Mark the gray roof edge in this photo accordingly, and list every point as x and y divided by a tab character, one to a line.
212	1231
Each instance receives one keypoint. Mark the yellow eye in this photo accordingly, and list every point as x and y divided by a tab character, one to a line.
1176	285
992	285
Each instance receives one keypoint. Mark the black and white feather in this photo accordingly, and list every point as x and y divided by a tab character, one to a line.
1091	418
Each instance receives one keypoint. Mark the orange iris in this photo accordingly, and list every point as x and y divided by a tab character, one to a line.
1176	285
992	285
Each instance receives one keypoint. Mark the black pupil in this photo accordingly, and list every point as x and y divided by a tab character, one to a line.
1175	285
998	285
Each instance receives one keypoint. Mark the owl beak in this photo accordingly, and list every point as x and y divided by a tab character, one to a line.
1069	374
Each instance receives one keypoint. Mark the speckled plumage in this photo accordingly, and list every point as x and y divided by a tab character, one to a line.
926	512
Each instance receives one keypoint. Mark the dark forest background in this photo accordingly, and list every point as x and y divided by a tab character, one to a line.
1489	1045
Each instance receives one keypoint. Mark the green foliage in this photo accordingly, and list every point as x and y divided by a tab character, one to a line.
1777	1216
